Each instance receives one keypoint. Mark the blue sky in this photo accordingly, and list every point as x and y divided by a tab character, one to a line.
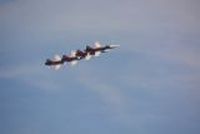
150	85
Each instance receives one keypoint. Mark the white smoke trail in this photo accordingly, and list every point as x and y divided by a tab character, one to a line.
57	58
73	63
97	53
88	57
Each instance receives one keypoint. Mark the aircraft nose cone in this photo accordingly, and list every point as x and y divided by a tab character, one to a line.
114	46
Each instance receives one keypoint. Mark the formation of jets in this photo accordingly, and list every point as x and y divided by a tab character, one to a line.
77	55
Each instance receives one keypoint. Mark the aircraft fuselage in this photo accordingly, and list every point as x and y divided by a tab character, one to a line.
92	51
51	62
68	58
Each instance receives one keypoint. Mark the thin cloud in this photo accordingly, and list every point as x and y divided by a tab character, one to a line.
108	93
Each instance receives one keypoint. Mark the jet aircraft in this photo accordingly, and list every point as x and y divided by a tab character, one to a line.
98	49
56	62
73	59
77	55
82	54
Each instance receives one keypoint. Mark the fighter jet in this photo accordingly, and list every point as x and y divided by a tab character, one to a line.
82	54
73	59
75	56
56	62
98	49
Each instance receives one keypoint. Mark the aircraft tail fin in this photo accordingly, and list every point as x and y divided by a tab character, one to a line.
88	48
